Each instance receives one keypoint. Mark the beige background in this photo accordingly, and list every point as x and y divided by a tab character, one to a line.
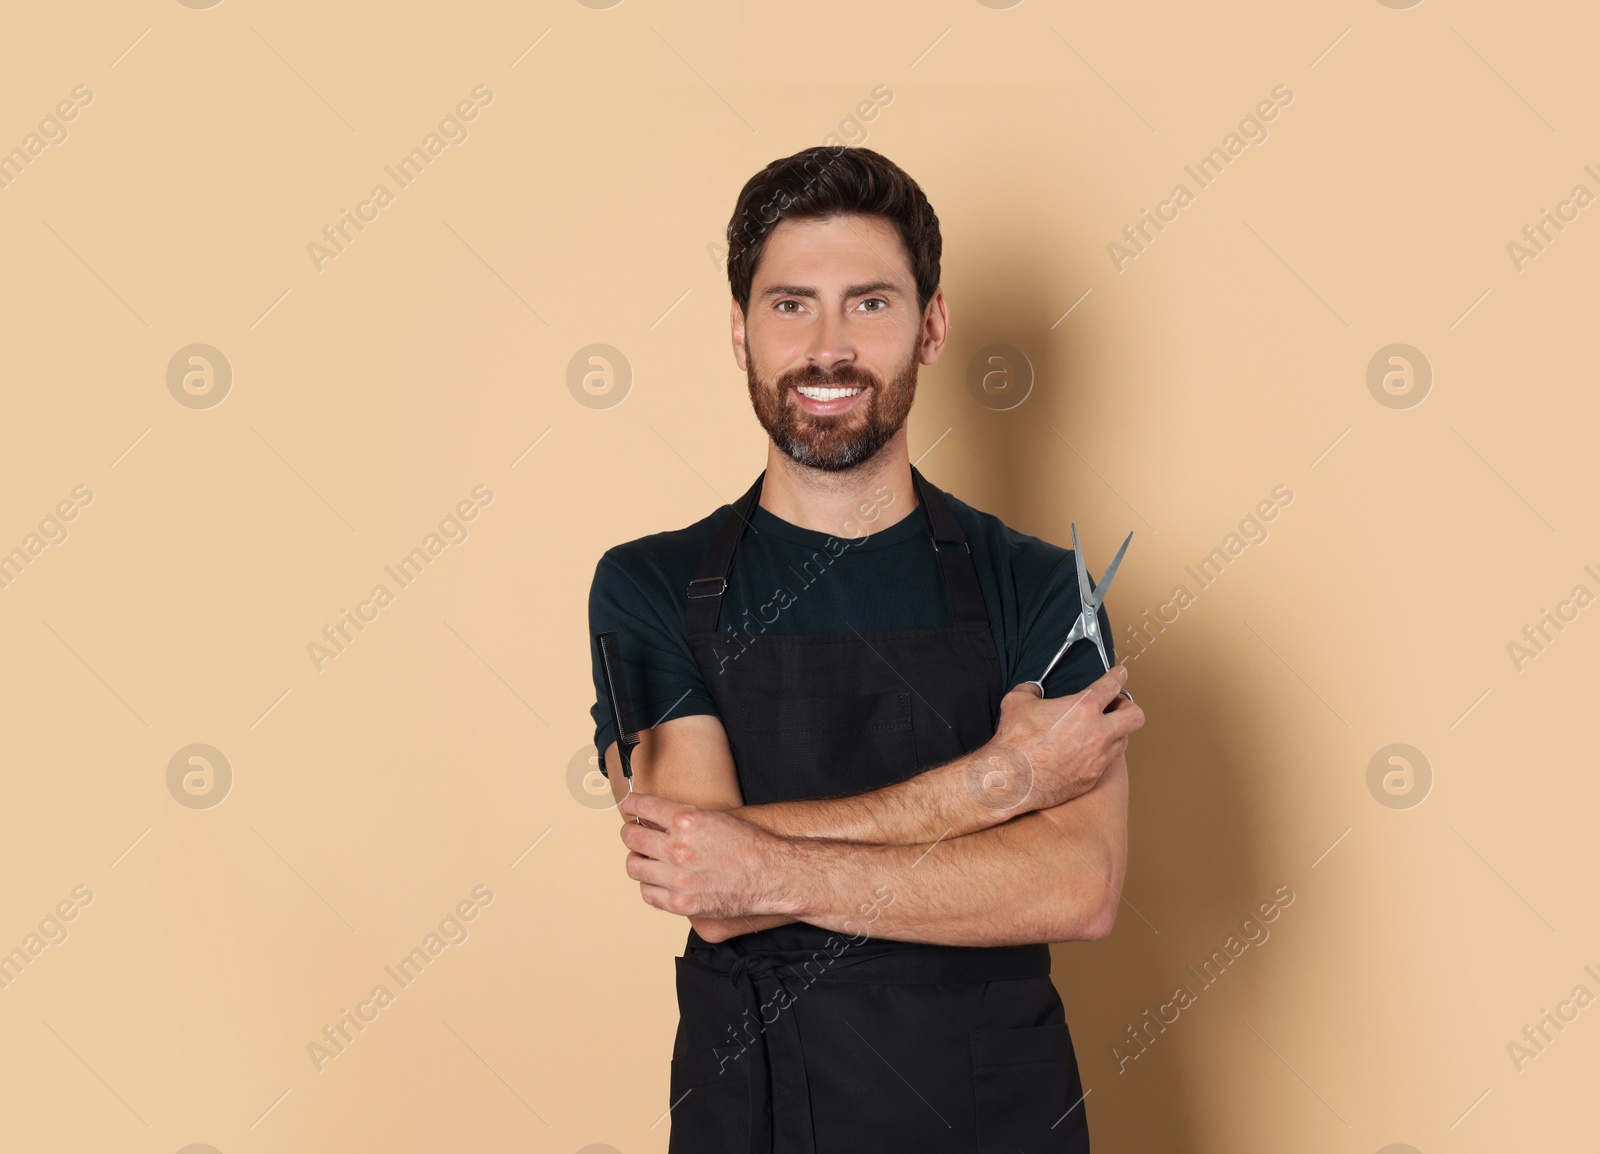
432	756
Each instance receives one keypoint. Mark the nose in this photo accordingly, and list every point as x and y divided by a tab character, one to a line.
830	346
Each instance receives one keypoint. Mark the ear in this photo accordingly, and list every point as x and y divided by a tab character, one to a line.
736	329
935	328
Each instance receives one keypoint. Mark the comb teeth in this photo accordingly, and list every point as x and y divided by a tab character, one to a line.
616	679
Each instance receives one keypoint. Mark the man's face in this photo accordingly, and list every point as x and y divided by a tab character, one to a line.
833	339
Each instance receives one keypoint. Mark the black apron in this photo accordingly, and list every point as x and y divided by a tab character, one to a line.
802	1040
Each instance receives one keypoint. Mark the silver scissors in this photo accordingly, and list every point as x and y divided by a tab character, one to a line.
1087	626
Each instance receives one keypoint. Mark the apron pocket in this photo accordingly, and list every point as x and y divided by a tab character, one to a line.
1027	1091
830	746
710	1102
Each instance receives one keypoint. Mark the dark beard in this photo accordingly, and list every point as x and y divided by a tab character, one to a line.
833	442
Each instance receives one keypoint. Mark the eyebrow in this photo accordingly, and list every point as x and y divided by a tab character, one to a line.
855	290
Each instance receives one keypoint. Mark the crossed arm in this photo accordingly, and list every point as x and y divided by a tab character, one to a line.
941	857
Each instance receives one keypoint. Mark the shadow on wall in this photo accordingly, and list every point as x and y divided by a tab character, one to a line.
1193	870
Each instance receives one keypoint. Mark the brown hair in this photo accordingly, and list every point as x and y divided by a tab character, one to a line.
823	182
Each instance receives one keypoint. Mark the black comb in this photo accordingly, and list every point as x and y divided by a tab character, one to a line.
616	678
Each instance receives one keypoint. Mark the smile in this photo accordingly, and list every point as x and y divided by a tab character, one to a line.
819	393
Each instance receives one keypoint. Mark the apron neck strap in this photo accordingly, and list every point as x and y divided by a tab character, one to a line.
956	568
711	579
955	558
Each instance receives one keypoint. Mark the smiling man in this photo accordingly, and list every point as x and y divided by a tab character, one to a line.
872	839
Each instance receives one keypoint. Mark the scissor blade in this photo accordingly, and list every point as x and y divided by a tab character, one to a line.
1111	571
1085	596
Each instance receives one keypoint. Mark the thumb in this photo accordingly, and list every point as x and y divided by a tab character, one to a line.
1030	687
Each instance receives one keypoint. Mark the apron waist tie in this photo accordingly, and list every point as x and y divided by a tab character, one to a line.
767	994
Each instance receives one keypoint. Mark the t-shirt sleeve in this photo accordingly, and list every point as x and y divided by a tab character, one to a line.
1047	627
664	679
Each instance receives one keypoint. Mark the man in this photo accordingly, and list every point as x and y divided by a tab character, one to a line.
872	840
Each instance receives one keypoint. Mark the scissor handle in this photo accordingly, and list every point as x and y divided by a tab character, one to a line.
1122	692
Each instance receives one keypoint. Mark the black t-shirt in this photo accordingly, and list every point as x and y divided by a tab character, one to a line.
787	579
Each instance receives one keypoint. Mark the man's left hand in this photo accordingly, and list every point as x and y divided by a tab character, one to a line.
701	863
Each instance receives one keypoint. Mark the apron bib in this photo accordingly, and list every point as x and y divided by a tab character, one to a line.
802	1040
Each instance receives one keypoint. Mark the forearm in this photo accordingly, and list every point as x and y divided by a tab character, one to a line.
712	790
972	793
1051	875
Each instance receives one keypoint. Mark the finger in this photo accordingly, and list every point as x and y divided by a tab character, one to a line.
1118	701
628	807
1106	687
1031	688
659	811
655	896
646	840
1127	720
647	869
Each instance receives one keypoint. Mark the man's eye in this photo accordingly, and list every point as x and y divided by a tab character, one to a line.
782	303
875	301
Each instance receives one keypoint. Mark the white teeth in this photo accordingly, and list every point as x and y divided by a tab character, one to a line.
816	393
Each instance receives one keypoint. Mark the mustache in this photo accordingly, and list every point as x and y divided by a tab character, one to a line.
847	376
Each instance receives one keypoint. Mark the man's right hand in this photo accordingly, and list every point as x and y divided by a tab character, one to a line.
1047	751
